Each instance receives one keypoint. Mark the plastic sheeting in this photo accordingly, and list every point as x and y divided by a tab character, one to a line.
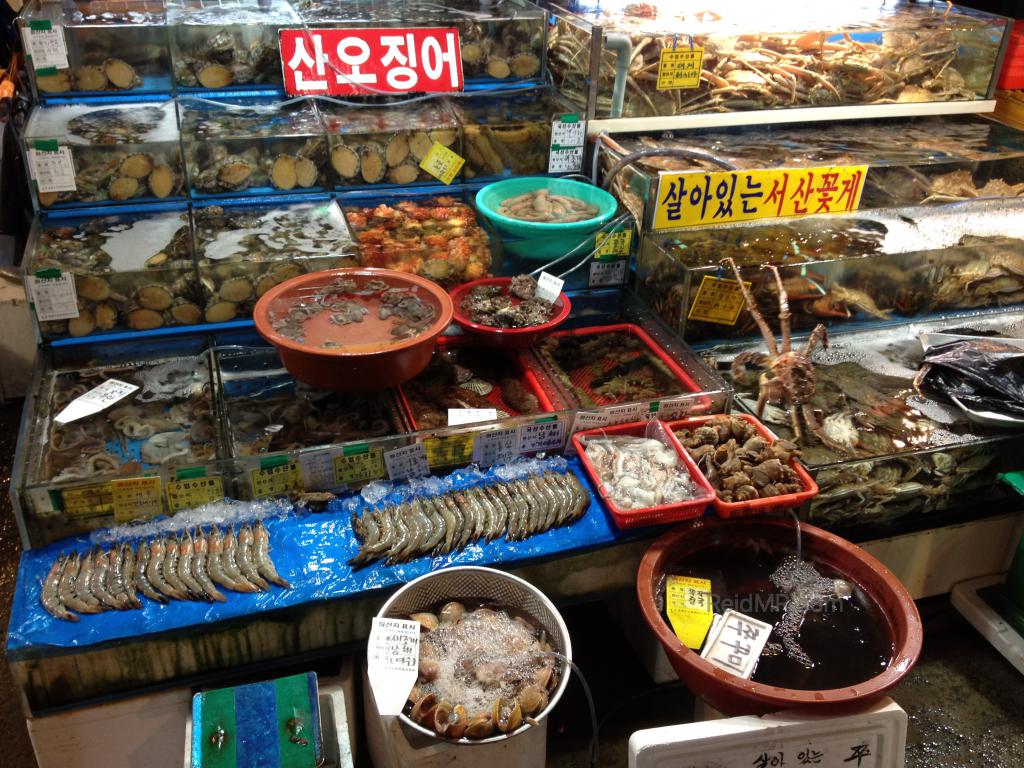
310	550
985	374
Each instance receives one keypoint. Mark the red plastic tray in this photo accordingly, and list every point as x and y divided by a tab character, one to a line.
526	377
1011	77
665	513
754	506
509	338
582	377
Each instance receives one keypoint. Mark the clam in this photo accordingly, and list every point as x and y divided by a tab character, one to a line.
120	73
443	713
236	289
184	312
154	296
533	699
423	709
507	715
234	173
215	76
82	325
428	669
162	181
142	319
458	722
451	613
282	172
92	287
397	149
306	172
59	82
220	312
90	78
428	621
345	161
156	260
138	165
106	315
480	726
123	188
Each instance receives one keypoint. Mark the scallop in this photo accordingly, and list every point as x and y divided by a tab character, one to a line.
345	161
444	136
154	296
282	172
123	188
220	312
406	173
106	316
92	287
285	271
234	173
157	260
236	289
120	73
138	165
215	76
419	144
306	172
142	319
162	181
397	150
82	325
90	78
59	82
186	313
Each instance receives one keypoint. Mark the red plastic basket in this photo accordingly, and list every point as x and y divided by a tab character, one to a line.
1011	77
526	377
514	338
582	377
754	506
665	513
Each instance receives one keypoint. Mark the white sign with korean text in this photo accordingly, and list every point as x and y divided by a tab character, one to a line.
875	738
392	662
737	645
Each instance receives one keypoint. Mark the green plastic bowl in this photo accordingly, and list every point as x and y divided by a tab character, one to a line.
540	240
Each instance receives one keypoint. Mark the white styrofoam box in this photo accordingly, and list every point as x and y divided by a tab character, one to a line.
987	621
875	738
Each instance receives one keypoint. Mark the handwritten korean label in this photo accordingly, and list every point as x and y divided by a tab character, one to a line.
408	461
623	414
317	469
614	244
392	662
53	295
45	45
136	498
441	163
449	451
674	408
358	463
568	137
718	300
52	169
689	199
679	68
548	287
688	604
607	273
738	644
190	492
276	476
95	400
343	62
88	500
543	435
459	416
497	446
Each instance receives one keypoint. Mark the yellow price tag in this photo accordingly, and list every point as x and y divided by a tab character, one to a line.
194	492
614	244
136	498
689	607
679	68
697	198
449	451
441	163
276	480
359	465
88	501
718	300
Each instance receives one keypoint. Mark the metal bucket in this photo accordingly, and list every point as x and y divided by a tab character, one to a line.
472	583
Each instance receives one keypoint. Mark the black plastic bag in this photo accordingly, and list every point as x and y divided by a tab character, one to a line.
984	374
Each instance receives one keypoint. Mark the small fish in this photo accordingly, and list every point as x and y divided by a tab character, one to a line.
263	562
66	590
50	596
245	557
199	568
141	577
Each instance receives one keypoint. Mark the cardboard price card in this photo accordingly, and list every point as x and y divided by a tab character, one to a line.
358	464
275	478
344	62
441	163
192	492
694	198
88	501
688	604
718	300
136	498
679	68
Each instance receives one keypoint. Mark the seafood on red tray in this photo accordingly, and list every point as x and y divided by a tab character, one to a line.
438	239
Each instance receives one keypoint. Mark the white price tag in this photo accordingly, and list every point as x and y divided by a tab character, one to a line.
568	137
583	421
392	662
738	644
406	462
623	414
499	446
46	46
317	470
95	400
676	408
54	298
457	416
607	273
53	171
542	436
548	287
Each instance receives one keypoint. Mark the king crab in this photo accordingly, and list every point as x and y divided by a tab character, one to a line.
788	377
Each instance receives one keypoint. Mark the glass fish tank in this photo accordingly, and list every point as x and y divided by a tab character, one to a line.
886	266
253	146
914	161
289	415
743	55
104	154
501	41
132	272
244	251
219	45
110	47
886	457
65	471
508	135
381	145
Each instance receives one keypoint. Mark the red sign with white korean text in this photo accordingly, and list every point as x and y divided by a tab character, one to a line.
346	62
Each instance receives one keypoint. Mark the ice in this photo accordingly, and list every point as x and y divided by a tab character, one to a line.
224	513
374	492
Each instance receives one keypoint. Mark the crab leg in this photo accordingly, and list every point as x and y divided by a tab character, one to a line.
766	332
784	314
818	336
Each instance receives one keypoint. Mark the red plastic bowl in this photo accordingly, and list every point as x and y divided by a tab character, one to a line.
732	695
357	367
664	513
755	506
506	337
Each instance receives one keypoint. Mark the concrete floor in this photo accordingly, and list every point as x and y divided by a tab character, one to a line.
965	702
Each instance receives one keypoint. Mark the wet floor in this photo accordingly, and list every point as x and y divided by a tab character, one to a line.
965	702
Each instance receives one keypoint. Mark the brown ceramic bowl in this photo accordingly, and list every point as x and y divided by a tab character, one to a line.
733	695
365	360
